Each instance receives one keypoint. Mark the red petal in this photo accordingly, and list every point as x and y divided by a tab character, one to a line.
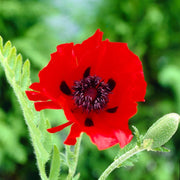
103	142
60	68
139	87
88	45
123	138
116	59
87	53
59	128
36	96
35	86
120	64
46	105
106	60
74	133
111	137
110	131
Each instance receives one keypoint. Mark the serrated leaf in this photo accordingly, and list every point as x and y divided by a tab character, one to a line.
69	157
161	149
8	71
47	138
63	158
11	59
7	48
18	67
130	162
13	77
55	164
25	79
42	123
139	137
72	157
41	153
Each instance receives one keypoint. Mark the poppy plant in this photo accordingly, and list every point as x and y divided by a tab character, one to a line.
97	84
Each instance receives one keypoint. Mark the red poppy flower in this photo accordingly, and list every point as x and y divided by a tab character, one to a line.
97	84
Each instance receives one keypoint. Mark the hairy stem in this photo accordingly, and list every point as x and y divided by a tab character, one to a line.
73	165
120	160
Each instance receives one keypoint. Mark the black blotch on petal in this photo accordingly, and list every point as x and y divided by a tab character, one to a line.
88	122
112	110
64	88
111	83
87	72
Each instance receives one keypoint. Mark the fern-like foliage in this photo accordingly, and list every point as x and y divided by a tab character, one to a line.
18	76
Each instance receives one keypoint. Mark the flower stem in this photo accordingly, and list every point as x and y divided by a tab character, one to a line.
120	160
76	153
73	165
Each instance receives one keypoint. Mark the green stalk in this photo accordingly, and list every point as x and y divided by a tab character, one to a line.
73	157
120	160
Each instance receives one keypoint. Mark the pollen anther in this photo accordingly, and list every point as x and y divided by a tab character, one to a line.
91	93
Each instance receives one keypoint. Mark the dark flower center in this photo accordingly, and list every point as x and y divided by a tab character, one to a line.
91	93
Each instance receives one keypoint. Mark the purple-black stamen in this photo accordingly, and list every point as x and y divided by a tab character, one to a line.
87	72
65	88
111	84
91	93
112	110
88	122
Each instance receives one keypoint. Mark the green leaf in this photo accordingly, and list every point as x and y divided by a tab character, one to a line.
12	66
63	158
130	162
41	153
70	158
25	79
18	67
47	138
7	49
161	149
8	71
11	59
139	137
55	164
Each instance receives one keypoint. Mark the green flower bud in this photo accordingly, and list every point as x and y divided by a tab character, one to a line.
163	129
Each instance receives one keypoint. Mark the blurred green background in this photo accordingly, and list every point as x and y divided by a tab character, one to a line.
152	30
